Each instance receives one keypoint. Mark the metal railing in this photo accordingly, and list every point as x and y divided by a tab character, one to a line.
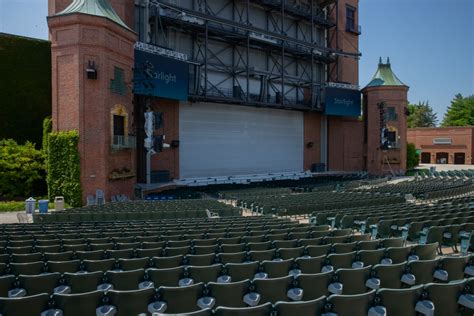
123	142
394	145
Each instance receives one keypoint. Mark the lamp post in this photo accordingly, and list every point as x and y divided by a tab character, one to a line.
149	129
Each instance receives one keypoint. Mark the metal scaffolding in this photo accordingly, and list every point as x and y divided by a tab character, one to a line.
271	53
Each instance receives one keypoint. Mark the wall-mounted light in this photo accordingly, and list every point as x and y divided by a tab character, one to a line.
175	144
91	70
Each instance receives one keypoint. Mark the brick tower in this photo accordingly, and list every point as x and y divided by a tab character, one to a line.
92	61
385	105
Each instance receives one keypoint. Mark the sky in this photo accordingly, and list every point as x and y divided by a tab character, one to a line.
430	42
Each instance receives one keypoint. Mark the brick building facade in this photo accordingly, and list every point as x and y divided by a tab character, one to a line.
255	110
443	145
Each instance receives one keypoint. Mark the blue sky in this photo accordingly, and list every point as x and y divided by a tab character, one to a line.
430	42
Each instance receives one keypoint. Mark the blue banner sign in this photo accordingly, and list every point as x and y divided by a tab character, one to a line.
342	102
160	76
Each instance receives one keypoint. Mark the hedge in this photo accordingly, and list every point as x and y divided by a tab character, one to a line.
21	169
47	127
63	167
25	92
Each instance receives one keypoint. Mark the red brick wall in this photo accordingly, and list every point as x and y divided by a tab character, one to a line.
393	97
462	141
312	134
345	144
168	159
85	105
348	68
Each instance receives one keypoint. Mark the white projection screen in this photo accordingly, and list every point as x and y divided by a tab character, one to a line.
228	140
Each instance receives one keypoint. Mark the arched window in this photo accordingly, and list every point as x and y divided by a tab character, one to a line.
119	128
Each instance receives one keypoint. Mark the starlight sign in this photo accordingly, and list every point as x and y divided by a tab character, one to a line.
342	102
159	76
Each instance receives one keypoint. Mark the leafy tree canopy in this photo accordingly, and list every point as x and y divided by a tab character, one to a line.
21	169
460	112
421	115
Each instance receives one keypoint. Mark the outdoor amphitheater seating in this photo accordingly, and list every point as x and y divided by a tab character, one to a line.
182	299
241	271
370	257
43	283
30	305
126	280
179	267
455	268
261	310
310	264
291	252
78	304
276	269
424	271
336	261
311	307
358	304
229	294
391	276
314	285
445	298
277	289
400	301
353	281
234	257
166	276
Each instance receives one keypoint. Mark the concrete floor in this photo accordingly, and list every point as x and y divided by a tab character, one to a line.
9	217
446	167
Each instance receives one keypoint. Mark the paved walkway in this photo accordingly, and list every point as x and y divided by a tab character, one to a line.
446	167
9	217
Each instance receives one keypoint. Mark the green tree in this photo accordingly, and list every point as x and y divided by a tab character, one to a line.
421	115
21	169
460	112
413	158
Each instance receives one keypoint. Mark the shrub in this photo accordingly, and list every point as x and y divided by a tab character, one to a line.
63	167
21	169
413	158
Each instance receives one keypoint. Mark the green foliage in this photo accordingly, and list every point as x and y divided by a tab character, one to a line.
63	167
460	112
21	169
413	157
18	206
12	206
47	127
421	115
25	89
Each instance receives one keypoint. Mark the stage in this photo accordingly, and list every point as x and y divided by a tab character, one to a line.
238	179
